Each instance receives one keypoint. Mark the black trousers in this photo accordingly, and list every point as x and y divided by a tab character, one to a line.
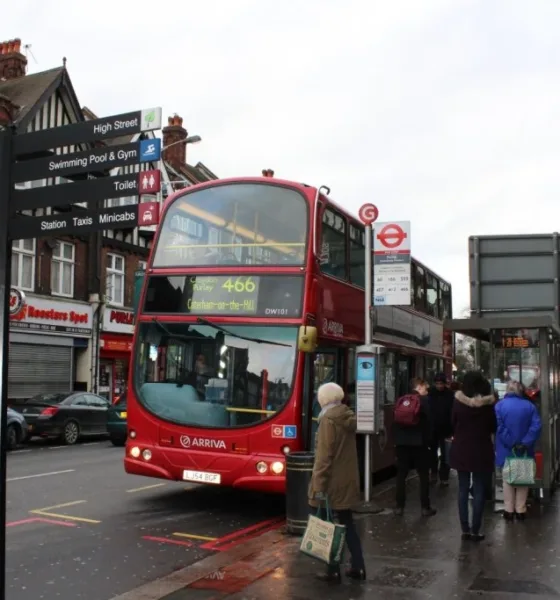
438	464
417	458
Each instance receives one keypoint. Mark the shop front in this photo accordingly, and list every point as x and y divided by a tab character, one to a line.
115	352
49	340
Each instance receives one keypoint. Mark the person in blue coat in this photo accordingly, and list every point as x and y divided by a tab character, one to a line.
519	428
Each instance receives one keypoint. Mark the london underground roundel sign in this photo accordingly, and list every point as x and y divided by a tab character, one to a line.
392	235
17	301
368	214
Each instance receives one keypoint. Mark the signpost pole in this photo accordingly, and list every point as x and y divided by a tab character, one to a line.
366	364
368	284
6	138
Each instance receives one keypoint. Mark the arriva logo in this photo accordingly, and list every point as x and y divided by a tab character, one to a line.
188	442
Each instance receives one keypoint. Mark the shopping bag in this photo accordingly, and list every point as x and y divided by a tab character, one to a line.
519	470
323	539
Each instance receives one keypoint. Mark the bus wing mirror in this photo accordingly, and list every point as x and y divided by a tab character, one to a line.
307	338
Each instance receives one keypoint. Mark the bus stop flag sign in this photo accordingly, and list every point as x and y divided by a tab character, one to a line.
392	265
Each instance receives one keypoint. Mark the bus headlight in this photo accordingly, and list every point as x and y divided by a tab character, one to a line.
147	455
132	433
262	467
277	467
135	452
286	449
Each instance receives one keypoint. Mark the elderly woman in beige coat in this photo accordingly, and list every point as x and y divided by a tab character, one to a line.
336	478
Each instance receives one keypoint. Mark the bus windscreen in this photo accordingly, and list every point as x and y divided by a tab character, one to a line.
234	224
245	295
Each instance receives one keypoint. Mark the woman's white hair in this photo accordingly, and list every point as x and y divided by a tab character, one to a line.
514	387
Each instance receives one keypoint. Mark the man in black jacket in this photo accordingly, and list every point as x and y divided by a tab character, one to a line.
412	452
441	405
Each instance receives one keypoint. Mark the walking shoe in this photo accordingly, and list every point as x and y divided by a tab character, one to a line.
357	574
465	537
329	577
477	537
398	512
508	516
428	512
520	516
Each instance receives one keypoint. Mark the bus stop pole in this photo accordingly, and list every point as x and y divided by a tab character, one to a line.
6	136
368	284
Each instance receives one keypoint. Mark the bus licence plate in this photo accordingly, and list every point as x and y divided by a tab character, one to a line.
201	477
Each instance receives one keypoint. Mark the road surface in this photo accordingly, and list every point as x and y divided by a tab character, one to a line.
79	527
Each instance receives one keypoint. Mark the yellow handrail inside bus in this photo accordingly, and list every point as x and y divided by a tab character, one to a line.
251	410
220	222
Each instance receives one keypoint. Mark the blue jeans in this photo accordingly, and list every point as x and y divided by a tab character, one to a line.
479	481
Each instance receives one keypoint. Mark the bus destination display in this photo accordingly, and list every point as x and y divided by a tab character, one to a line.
231	295
235	295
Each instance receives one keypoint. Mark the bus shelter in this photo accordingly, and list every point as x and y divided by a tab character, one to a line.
525	349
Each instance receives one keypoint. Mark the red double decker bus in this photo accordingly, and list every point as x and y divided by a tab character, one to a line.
254	297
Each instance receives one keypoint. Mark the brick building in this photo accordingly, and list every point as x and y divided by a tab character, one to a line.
76	329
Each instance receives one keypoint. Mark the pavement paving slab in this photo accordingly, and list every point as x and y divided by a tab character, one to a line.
408	558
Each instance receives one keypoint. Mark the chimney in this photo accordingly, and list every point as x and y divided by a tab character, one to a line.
13	63
267	173
175	136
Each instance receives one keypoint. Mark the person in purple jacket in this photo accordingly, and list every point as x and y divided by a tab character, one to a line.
519	428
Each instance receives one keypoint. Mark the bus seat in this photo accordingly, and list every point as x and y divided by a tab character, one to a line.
183	404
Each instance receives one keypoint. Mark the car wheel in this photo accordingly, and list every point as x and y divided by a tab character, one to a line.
71	433
12	437
118	441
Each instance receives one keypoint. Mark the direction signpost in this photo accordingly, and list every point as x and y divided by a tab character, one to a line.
37	155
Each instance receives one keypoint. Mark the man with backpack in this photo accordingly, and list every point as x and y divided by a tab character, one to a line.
412	433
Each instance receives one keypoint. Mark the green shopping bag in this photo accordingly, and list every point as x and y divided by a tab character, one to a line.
324	539
519	470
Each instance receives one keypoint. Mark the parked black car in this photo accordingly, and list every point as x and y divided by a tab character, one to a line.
66	416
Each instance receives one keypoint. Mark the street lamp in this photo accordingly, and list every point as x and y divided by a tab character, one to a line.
192	139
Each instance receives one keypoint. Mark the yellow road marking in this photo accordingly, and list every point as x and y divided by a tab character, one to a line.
146	487
196	537
44	512
60	505
64	517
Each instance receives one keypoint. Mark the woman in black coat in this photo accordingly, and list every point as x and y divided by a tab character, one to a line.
472	451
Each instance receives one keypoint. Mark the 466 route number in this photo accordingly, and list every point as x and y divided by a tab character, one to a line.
239	285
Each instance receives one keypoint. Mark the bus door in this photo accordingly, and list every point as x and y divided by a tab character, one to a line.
405	373
324	366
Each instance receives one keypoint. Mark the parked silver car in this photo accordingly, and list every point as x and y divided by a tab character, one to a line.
17	431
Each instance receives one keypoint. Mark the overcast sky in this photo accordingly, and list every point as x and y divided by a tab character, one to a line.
442	112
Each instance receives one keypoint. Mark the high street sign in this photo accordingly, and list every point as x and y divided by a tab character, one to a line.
89	131
130	184
96	160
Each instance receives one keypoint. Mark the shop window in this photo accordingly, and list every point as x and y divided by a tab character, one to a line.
333	244
357	256
445	300
432	295
62	269
419	288
115	279
23	264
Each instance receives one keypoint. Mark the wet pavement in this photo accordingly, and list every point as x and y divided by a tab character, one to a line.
407	557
